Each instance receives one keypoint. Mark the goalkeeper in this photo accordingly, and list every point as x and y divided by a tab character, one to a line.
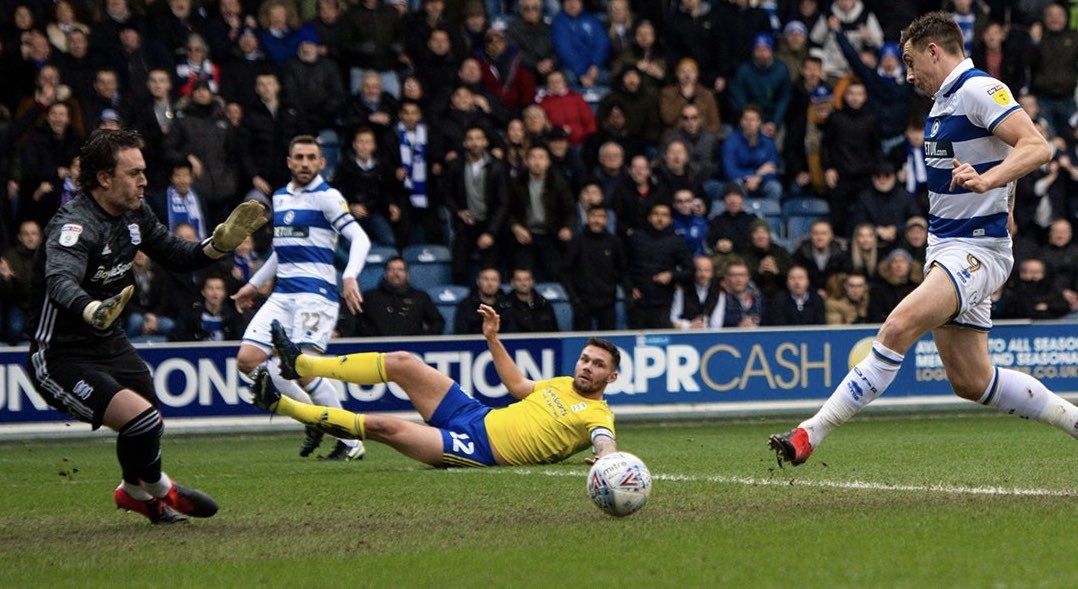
80	361
552	419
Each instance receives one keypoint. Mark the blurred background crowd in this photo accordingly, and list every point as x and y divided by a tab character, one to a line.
582	164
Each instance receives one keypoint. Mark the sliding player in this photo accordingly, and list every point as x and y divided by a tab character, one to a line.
978	141
552	420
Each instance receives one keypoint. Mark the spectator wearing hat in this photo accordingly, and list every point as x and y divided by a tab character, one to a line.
768	261
750	158
821	256
889	96
793	48
798	304
764	82
731	230
638	102
886	204
735	25
566	108
504	74
915	238
659	260
312	84
898	276
581	43
860	27
564	160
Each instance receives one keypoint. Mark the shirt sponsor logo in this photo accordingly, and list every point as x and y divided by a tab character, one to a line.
136	234
939	149
69	234
106	276
291	231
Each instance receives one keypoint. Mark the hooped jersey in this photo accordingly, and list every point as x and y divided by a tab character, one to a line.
549	425
968	107
306	224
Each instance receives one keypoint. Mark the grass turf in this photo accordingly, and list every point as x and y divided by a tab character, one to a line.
388	522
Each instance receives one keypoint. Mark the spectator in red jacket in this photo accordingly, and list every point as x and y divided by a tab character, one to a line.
566	108
504	73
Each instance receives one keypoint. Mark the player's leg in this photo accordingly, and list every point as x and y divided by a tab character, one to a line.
416	441
312	324
931	304
969	369
425	386
256	346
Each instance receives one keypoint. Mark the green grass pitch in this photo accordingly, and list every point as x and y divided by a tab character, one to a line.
887	502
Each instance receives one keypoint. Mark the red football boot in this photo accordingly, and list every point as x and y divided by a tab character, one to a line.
154	510
189	501
792	446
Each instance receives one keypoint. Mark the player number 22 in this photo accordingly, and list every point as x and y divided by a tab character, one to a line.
311	321
461	443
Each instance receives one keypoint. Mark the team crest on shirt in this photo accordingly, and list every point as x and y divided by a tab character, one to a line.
935	128
289	217
136	234
69	234
1000	94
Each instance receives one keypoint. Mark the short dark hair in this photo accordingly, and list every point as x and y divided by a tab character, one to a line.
615	354
392	259
364	130
476	128
753	108
934	27
303	140
181	165
99	153
409	102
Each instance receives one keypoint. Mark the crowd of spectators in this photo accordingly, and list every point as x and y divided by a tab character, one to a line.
614	146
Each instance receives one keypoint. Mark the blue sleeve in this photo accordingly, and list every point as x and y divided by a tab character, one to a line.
773	156
867	75
600	50
562	34
730	159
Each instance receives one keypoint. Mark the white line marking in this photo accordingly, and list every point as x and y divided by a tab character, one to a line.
778	482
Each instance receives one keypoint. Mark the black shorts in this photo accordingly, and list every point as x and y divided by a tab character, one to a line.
82	383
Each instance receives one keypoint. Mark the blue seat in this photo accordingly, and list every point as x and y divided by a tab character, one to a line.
801	213
446	298
563	314
552	291
763	207
380	254
428	265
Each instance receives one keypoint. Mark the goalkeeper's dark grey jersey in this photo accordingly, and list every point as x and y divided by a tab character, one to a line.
87	255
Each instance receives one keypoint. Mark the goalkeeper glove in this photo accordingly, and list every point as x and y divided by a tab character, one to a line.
102	314
244	220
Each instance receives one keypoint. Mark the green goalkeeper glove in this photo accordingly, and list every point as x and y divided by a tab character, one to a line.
244	220
102	314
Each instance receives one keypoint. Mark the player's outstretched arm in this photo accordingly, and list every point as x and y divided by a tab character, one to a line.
511	376
603	445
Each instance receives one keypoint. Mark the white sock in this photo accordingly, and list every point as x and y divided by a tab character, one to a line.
160	487
323	393
864	384
289	388
136	491
1018	393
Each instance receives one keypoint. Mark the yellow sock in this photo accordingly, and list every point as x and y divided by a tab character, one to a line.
362	368
339	423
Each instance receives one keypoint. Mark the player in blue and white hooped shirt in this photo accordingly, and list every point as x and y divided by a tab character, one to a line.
308	217
978	142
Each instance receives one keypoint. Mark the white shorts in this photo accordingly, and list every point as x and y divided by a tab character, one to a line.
976	271
308	319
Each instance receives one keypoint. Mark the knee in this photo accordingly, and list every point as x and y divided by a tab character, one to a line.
400	363
248	359
376	428
147	425
897	332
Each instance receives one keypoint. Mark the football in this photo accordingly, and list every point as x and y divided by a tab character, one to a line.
619	484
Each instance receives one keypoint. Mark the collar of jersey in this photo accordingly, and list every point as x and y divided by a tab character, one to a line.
312	187
952	79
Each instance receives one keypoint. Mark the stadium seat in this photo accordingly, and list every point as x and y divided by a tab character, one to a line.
428	265
768	210
374	268
555	293
446	297
801	213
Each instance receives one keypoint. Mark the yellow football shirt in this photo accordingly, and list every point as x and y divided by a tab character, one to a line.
549	425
